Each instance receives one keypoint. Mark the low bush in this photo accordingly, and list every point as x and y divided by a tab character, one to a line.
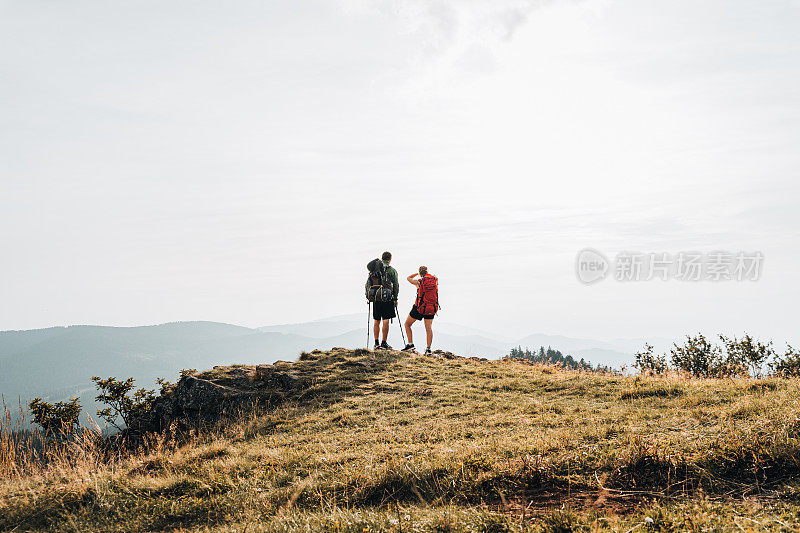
646	361
59	417
787	365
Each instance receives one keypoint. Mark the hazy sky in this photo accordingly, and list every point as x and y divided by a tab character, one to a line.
242	161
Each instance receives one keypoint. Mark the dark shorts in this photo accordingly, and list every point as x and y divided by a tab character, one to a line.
416	315
383	310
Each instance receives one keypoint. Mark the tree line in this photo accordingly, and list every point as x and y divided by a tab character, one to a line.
551	356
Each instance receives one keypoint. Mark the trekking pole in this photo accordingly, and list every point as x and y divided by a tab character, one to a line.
396	312
367	324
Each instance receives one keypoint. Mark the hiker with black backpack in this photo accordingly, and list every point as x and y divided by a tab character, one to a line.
425	306
381	290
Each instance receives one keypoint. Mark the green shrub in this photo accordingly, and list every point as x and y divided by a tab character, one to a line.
60	416
745	354
120	403
787	365
647	362
697	356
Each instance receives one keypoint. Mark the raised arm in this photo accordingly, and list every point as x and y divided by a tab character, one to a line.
413	281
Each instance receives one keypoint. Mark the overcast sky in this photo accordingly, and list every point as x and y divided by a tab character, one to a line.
242	161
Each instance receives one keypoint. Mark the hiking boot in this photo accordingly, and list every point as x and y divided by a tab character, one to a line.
377	346
409	348
428	351
385	346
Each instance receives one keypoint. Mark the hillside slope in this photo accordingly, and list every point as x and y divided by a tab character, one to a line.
360	441
58	363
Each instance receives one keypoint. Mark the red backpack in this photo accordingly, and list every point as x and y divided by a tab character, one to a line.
428	295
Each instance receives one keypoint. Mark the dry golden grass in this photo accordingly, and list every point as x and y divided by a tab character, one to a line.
388	441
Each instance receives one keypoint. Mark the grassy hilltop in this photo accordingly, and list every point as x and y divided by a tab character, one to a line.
390	442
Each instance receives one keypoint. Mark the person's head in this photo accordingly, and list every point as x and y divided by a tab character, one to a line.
423	270
387	256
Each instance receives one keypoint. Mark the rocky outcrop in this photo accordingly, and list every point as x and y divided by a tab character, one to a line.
450	355
224	391
278	377
193	401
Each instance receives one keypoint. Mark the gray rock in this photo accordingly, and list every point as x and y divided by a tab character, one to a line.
278	376
195	401
191	402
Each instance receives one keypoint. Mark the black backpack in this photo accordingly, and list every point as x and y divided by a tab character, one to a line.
378	287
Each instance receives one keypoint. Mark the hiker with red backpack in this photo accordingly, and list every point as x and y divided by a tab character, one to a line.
425	306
